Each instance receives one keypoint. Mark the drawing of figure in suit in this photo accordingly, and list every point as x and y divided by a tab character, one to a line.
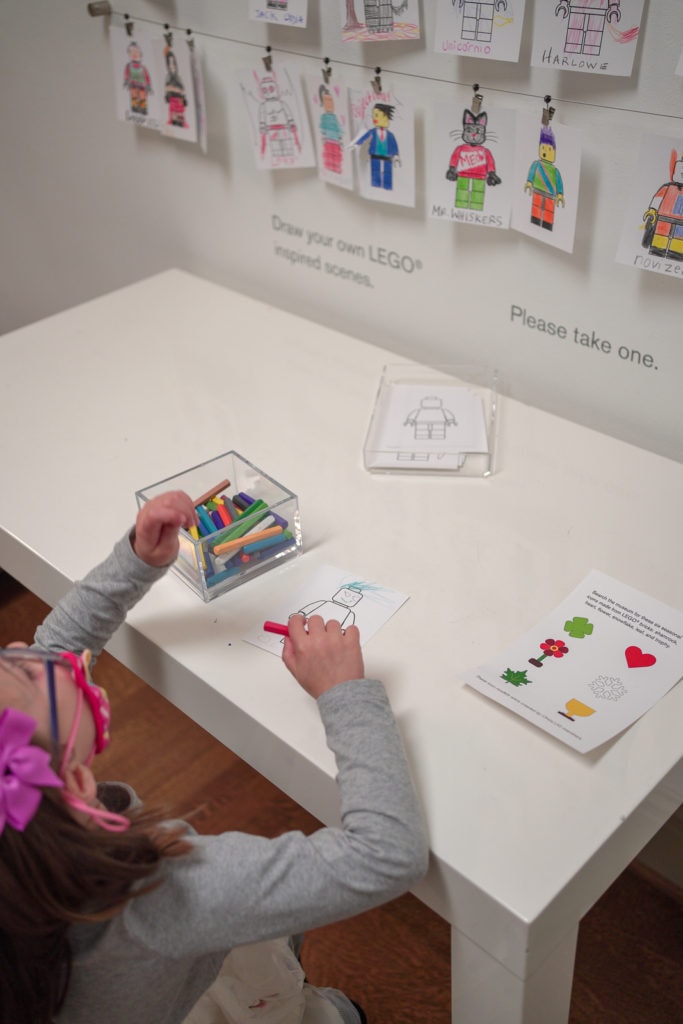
382	146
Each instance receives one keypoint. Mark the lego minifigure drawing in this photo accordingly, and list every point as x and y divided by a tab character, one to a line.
544	182
382	147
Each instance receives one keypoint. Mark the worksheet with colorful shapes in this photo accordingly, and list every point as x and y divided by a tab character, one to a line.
471	164
383	140
379	21
546	181
334	594
292	13
590	668
487	29
652	229
595	37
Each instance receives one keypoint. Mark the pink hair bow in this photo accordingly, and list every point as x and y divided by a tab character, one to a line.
24	769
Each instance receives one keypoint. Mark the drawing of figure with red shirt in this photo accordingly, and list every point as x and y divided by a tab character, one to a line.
663	219
136	79
472	166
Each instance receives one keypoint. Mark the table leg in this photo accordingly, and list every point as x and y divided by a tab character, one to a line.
486	992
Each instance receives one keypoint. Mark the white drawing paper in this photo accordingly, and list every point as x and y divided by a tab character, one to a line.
652	230
138	77
333	594
679	66
425	424
471	166
383	138
178	89
329	106
590	668
488	29
595	37
547	173
293	13
277	121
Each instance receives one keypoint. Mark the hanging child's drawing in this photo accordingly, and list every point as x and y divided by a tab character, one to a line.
679	66
138	78
180	113
376	21
293	13
198	90
383	137
596	37
547	172
489	29
335	595
471	165
329	105
276	117
652	230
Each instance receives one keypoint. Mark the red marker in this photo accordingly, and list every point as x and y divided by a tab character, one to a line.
276	627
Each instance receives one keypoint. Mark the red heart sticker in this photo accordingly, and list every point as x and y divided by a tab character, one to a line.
636	659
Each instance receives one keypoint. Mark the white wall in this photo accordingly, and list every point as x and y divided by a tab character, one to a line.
89	204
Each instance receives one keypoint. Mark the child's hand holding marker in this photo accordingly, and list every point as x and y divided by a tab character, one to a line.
321	655
155	537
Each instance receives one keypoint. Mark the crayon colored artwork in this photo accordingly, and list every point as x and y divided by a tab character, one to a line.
293	13
547	171
329	106
652	230
383	138
335	594
488	29
180	113
592	666
597	37
376	21
471	165
137	77
276	116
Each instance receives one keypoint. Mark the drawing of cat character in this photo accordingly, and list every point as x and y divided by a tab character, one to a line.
472	166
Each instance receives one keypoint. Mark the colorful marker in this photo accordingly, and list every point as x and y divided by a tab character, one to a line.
276	627
207	495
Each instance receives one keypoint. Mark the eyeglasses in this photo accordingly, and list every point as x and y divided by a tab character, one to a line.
34	664
37	665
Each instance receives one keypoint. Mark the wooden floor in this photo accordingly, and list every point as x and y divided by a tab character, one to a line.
395	960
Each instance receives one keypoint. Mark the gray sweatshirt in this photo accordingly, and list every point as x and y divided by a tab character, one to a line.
154	960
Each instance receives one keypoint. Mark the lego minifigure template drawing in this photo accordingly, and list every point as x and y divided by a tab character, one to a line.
334	594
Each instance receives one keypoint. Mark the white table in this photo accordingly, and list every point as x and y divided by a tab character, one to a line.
525	834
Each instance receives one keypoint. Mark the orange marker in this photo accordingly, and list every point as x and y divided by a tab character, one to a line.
248	538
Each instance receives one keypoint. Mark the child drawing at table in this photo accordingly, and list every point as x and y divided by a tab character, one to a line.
115	914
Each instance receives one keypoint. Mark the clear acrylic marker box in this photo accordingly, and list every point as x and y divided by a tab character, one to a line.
434	419
249	523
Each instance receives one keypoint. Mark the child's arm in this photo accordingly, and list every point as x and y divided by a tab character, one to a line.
95	607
